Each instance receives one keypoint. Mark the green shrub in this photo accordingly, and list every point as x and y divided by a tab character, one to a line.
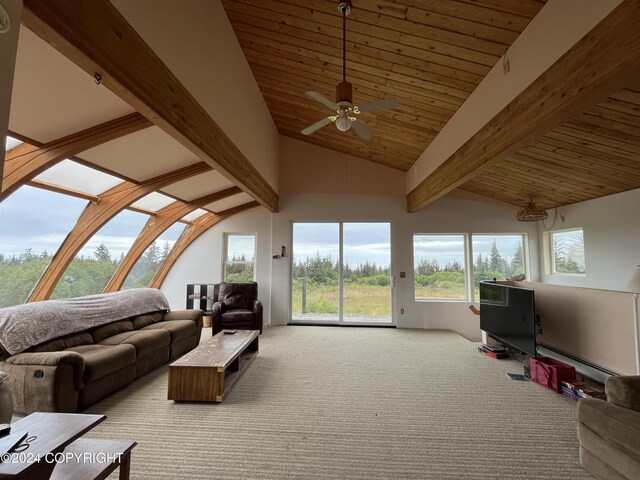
321	306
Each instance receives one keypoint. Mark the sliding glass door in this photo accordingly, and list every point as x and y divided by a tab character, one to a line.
341	273
366	273
315	286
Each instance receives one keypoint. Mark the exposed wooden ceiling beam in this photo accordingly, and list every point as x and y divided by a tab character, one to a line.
193	231
96	37
26	161
95	215
599	64
154	227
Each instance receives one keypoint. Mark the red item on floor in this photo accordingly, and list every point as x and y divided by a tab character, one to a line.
550	373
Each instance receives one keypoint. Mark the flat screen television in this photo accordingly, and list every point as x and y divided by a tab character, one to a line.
508	315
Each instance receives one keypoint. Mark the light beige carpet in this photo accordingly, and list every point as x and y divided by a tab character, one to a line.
353	403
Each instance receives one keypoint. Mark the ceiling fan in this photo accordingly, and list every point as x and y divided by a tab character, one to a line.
343	106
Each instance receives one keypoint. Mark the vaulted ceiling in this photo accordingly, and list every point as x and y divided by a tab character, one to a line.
428	55
431	56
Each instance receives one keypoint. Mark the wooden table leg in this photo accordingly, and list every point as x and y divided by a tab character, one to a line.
125	466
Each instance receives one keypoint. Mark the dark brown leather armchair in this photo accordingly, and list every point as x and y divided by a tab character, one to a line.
236	306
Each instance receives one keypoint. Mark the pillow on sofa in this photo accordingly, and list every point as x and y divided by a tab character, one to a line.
62	343
111	329
142	321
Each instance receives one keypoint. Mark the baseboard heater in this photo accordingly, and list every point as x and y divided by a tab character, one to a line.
582	366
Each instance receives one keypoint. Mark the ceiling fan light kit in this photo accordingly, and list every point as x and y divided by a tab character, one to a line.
343	106
531	213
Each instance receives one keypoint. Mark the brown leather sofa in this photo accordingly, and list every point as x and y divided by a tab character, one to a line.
609	431
71	373
236	306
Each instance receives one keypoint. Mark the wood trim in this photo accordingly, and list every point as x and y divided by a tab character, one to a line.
63	190
94	216
153	229
197	228
568	87
96	37
142	211
26	161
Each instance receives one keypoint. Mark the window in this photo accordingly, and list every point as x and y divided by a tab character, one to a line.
439	267
96	263
239	260
33	225
497	256
565	252
151	260
72	175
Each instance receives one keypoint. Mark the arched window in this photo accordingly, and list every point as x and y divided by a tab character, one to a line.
33	225
94	265
151	260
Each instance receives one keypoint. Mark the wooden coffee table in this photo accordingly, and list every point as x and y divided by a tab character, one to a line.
208	372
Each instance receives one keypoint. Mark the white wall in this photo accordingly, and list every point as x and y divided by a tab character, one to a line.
611	242
320	185
458	212
202	262
611	231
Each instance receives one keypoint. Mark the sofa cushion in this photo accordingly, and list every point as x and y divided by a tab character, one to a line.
63	343
144	341
240	315
111	329
142	321
178	329
102	360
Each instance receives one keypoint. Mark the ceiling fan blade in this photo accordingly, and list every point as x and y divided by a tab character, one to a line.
322	99
317	126
378	105
361	129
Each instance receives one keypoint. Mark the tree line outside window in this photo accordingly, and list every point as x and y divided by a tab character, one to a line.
439	263
86	275
567	252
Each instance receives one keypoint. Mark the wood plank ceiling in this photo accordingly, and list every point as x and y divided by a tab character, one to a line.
595	153
429	55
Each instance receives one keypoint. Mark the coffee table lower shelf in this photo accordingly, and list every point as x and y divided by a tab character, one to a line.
209	372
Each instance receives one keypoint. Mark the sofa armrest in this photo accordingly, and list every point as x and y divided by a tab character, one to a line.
191	314
617	425
45	381
52	359
257	310
216	318
257	307
624	391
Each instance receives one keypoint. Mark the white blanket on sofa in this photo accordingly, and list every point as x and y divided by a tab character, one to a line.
24	326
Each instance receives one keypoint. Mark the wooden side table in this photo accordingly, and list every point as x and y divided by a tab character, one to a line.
58	452
94	459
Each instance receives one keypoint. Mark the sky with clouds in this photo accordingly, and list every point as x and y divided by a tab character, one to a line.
40	220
